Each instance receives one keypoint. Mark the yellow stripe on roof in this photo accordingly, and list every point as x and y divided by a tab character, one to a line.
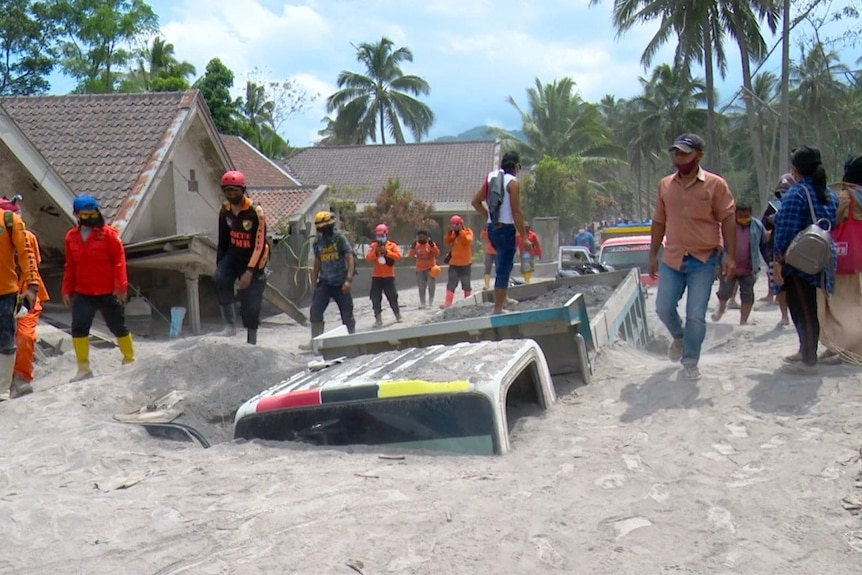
419	387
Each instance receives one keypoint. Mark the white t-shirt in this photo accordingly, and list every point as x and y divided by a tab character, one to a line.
506	216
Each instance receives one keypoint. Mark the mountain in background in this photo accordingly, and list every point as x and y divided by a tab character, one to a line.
477	134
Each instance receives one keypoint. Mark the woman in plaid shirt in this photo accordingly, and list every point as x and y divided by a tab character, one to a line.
801	289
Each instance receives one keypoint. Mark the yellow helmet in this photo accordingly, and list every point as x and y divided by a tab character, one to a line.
323	219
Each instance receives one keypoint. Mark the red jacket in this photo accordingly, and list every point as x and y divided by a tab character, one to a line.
96	266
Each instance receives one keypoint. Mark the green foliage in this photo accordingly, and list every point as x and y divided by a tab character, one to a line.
267	106
215	87
27	51
157	70
349	220
398	209
96	39
377	102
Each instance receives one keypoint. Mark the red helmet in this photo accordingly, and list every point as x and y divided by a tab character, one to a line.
456	221
233	178
382	230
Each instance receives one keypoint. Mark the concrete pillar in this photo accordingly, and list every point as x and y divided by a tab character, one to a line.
194	299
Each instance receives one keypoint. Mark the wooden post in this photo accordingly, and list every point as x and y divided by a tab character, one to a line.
192	275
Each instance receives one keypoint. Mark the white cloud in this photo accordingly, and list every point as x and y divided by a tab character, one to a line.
474	53
241	34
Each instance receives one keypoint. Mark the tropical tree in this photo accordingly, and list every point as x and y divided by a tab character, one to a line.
215	86
400	210
378	101
700	28
338	131
97	36
27	51
671	103
158	70
818	95
559	123
268	104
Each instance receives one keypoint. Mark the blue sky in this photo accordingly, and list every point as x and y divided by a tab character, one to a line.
474	53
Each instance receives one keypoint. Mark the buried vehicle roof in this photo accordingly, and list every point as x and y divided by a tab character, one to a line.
466	378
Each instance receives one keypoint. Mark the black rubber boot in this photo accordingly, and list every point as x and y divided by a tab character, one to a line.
251	338
228	314
316	330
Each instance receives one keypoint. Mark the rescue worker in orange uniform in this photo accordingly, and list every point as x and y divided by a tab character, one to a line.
95	279
25	337
384	254
459	240
425	251
242	255
17	267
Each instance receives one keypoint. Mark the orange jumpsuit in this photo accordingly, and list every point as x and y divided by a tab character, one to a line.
25	337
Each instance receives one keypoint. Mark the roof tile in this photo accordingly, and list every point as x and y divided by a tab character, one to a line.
432	171
259	170
280	203
98	143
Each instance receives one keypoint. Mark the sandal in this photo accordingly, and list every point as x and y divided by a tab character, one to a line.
795	358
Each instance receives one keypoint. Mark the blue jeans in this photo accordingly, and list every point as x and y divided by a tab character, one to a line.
503	240
697	277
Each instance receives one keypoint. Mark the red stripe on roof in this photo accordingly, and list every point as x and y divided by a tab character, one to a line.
289	400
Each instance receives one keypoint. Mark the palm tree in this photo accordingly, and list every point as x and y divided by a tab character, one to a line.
337	131
381	98
256	110
817	90
560	124
700	27
698	34
158	70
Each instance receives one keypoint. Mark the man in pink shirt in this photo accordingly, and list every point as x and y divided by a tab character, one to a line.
696	211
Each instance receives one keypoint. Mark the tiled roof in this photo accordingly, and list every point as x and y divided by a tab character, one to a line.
280	203
434	171
100	144
259	170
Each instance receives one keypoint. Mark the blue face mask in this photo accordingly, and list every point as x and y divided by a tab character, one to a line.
382	239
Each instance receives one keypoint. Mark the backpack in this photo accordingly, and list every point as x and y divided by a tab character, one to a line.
496	193
811	250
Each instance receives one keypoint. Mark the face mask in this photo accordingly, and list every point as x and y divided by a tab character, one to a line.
743	221
382	239
235	200
92	222
423	241
687	168
580	231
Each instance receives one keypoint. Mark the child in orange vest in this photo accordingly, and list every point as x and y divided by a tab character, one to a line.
384	254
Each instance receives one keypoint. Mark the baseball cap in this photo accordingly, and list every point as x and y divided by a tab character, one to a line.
688	143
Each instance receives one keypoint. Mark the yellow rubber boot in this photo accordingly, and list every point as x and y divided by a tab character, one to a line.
127	347
487	281
527	276
82	354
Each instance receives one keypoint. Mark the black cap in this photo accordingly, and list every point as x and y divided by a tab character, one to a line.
688	143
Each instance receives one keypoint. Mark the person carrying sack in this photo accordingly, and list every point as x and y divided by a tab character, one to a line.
840	328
